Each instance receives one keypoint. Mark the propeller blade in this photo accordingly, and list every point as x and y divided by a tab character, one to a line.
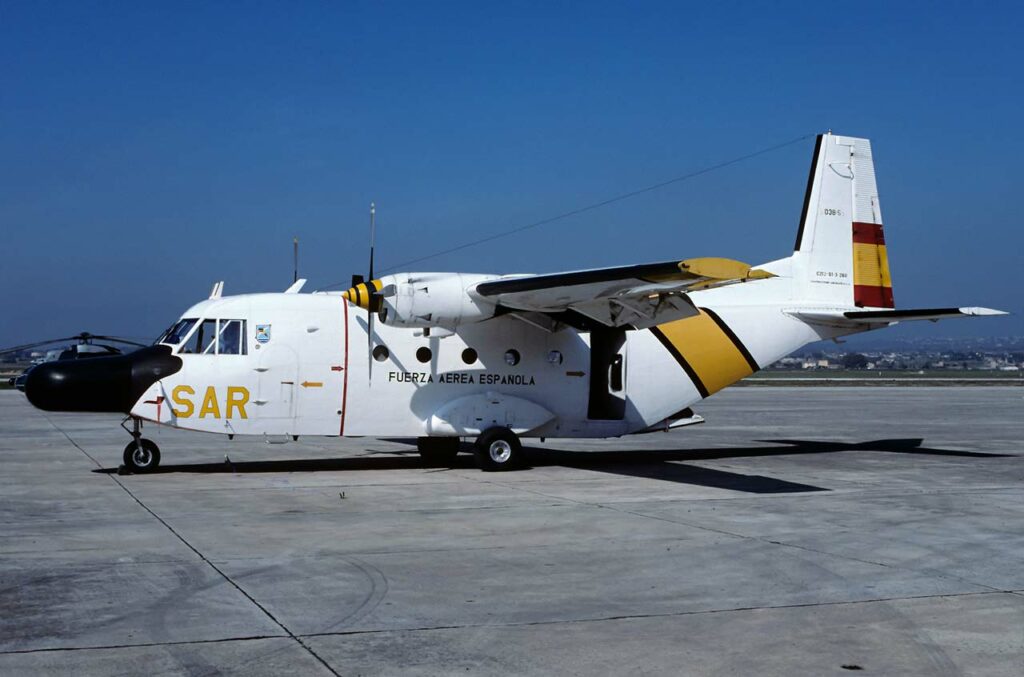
370	309
369	344
373	214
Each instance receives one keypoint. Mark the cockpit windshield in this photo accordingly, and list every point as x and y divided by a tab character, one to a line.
177	333
207	337
201	342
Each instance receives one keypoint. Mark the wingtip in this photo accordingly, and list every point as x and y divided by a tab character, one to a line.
982	312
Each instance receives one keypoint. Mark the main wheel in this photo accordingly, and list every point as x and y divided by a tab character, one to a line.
498	449
142	457
438	450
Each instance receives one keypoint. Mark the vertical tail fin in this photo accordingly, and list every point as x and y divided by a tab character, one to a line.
840	248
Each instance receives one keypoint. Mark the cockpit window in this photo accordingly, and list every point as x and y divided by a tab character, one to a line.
202	339
177	333
231	337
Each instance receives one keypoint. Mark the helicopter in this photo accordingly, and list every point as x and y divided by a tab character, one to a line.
85	347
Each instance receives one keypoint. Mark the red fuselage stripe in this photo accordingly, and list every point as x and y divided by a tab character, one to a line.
344	387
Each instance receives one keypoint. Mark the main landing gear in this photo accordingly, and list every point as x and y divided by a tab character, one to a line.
496	449
140	455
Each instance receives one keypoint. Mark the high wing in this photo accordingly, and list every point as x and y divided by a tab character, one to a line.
639	296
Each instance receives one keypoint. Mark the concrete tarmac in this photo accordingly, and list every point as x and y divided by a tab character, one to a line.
875	531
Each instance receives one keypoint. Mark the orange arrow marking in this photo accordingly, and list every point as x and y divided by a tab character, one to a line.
312	384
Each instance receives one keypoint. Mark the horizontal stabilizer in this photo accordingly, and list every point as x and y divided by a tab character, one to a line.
889	316
933	314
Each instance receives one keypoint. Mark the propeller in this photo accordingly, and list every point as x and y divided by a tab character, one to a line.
373	302
82	338
365	293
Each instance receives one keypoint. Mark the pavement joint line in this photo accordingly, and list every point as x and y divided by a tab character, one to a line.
201	556
481	548
675	614
143	645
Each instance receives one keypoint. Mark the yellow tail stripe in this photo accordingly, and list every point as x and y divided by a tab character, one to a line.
871	265
704	347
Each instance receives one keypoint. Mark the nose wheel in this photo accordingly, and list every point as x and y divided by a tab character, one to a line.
140	455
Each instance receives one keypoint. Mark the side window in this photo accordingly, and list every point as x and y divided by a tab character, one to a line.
202	339
231	337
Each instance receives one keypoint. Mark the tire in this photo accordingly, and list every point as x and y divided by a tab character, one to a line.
141	461
438	451
498	449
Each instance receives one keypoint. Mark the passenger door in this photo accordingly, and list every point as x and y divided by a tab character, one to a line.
277	369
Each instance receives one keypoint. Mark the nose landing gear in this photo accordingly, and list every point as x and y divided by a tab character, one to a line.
140	455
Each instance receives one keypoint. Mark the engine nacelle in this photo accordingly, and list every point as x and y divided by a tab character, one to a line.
433	300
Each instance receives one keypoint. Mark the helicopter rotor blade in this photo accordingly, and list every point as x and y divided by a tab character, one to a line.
28	346
118	339
82	337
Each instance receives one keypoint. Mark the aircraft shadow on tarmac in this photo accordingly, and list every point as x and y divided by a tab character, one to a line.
660	464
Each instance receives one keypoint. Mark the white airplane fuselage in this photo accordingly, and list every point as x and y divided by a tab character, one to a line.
312	375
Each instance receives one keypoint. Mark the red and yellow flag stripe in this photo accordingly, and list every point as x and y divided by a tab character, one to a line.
872	283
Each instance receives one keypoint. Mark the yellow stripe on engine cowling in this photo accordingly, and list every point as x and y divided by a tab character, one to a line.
359	295
871	265
710	352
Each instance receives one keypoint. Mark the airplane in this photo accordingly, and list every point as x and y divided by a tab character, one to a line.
498	358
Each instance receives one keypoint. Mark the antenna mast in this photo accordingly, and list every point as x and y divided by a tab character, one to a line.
295	253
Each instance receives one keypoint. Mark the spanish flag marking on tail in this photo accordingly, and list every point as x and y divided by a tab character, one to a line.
708	351
872	283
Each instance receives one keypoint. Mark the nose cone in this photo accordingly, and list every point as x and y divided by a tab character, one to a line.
359	295
111	384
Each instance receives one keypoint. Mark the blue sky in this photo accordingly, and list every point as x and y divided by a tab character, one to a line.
147	151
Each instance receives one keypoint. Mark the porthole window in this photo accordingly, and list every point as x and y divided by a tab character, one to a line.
469	356
554	357
381	353
512	357
423	354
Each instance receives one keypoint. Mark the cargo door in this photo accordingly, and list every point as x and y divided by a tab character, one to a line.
607	375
